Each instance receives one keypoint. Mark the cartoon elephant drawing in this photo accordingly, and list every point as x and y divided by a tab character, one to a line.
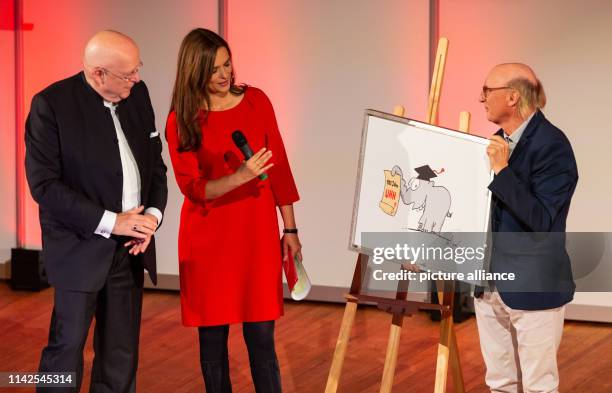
434	201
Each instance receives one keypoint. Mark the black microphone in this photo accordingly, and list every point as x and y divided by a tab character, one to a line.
241	143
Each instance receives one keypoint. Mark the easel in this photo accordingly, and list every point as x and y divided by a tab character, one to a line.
400	306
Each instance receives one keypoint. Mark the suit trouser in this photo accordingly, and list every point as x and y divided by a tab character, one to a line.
519	347
117	309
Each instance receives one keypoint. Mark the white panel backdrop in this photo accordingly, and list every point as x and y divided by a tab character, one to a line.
322	63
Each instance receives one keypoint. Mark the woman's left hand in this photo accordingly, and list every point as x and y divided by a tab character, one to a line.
291	242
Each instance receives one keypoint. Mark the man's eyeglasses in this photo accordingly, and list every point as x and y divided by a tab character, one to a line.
126	78
486	90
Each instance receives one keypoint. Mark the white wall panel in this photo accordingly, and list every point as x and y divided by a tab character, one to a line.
322	63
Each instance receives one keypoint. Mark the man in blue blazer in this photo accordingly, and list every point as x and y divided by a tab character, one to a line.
520	322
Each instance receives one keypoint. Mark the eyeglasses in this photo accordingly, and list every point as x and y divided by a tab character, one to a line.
126	78
486	90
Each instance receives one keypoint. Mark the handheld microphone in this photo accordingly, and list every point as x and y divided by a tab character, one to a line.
241	143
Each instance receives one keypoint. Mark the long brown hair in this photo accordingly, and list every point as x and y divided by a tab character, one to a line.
196	61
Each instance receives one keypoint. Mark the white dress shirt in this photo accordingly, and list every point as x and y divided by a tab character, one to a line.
130	197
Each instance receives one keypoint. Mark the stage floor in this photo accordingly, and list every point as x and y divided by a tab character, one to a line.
305	338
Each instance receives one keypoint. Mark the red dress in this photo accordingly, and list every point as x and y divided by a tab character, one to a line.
229	248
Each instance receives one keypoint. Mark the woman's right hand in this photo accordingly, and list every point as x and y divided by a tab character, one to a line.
254	166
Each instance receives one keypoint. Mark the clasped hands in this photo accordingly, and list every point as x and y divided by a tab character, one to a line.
139	226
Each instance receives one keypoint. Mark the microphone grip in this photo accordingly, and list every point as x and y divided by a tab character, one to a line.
248	153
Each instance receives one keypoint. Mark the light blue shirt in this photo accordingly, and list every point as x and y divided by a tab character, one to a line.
516	135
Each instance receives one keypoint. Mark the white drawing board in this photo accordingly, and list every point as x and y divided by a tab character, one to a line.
445	178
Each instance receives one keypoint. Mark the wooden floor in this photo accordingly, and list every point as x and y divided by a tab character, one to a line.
305	338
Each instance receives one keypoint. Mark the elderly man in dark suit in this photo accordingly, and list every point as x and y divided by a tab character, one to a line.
520	322
94	165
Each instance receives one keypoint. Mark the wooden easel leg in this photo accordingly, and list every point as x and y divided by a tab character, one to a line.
394	338
458	383
446	333
347	325
392	352
341	345
464	125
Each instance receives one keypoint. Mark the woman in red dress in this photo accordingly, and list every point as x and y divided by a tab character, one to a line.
230	258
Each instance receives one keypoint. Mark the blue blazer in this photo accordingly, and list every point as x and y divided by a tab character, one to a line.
530	202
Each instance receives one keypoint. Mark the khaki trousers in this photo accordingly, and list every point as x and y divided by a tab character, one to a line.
519	347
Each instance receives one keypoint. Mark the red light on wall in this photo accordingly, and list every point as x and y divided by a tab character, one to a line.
15	10
7	16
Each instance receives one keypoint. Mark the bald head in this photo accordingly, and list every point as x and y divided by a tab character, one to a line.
507	72
513	93
109	48
111	62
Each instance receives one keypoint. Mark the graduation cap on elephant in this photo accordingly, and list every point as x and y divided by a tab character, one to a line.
426	173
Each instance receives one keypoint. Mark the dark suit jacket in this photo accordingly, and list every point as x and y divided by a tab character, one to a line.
530	202
74	172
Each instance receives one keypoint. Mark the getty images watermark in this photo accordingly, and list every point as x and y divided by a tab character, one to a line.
421	257
479	258
405	253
